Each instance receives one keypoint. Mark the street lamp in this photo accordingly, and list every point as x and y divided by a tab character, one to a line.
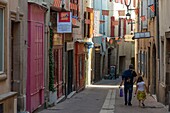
128	15
127	5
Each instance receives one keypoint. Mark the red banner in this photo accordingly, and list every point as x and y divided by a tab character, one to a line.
127	2
89	9
102	21
114	23
152	8
117	1
121	12
121	1
134	3
57	3
105	12
137	11
143	18
73	6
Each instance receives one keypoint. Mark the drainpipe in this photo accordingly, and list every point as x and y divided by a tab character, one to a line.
158	39
157	15
158	36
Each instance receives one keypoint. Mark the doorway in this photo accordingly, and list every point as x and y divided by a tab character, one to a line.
154	69
70	71
97	68
148	74
109	60
15	56
121	64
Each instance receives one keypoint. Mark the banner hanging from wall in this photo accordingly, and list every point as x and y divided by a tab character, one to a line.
105	12
114	23
64	22
121	12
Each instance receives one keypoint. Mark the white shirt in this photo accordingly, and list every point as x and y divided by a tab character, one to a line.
141	86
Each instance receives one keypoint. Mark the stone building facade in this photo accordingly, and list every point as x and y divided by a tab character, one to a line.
8	101
153	53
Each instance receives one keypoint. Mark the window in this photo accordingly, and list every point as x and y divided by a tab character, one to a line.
1	40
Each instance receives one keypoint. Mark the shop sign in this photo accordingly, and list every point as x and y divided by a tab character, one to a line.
139	35
70	46
57	39
64	22
129	38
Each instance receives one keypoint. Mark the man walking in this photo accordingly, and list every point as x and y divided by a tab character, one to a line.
128	78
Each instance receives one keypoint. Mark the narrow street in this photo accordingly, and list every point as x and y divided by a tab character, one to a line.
55	55
103	97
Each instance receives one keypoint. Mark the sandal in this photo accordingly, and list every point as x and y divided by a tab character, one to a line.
143	104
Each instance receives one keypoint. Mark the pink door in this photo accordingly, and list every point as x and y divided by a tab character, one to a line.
35	76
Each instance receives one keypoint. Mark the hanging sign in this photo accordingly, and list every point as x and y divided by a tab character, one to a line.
129	38
64	22
139	35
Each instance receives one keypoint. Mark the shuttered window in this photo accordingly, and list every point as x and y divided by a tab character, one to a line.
119	33
112	33
124	27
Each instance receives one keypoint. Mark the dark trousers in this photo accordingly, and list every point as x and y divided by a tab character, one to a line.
128	89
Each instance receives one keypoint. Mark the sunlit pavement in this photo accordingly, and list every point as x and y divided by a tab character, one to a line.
103	97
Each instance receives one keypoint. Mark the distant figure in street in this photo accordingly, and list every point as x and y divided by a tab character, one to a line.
128	78
141	88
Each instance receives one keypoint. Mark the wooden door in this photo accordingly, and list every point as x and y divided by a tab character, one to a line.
35	65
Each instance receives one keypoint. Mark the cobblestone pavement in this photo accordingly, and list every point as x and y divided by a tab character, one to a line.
103	97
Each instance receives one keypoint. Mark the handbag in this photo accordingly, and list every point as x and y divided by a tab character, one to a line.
121	92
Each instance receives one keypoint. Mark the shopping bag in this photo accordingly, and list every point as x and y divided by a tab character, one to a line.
121	92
